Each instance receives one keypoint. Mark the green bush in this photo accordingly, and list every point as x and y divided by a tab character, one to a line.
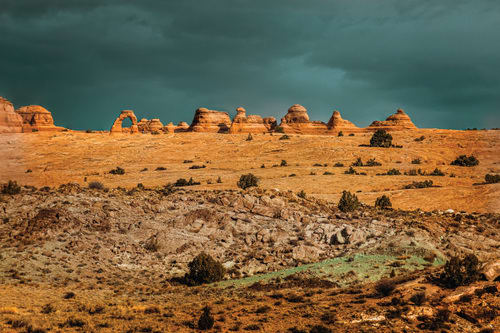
464	160
358	163
381	139
385	287
283	163
279	129
348	202
96	185
338	165
393	172
247	181
424	184
206	320
383	202
416	161
285	137
436	172
351	171
301	194
11	188
460	271
420	139
371	162
491	179
183	182
117	171
204	269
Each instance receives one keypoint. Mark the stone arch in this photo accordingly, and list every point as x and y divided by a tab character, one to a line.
117	125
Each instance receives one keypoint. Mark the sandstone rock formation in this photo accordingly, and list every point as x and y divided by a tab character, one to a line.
247	124
10	121
398	121
297	121
37	118
182	127
143	125
270	123
170	128
337	124
155	125
210	121
117	125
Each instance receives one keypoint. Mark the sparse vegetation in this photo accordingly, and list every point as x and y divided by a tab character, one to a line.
284	137
283	163
348	202
338	165
350	171
491	179
204	269
385	287
383	202
437	172
247	181
279	129
381	139
423	184
358	163
465	161
341	134
206	320
183	182
327	173
95	185
117	171
460	271
420	139
393	172
418	298
301	194
194	167
249	137
372	162
160	168
416	161
11	187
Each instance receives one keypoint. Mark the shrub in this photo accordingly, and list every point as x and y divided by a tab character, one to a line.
460	271
249	137
416	161
351	171
420	139
117	171
11	188
412	172
187	161
393	172
183	182
338	165
194	167
247	181
160	168
371	162
279	129
491	179
341	134
283	163
418	298
385	287
301	194
263	166
327	173
381	139
96	185
285	137
204	269
424	184
436	172
464	160
348	202
206	320
383	202
219	180
320	329
352	134
358	163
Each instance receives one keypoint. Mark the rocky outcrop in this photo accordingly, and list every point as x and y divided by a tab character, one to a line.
398	121
117	125
211	121
270	123
337	124
37	118
10	121
142	126
297	121
170	128
247	124
182	127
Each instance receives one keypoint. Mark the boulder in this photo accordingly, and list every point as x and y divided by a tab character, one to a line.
210	121
247	124
491	270
10	121
117	125
398	121
37	118
297	121
337	124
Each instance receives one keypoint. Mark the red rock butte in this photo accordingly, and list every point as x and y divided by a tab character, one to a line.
10	121
398	121
250	124
37	118
210	121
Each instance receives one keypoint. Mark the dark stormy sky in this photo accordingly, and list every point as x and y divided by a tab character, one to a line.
85	60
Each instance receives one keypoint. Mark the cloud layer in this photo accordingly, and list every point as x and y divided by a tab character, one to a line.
87	60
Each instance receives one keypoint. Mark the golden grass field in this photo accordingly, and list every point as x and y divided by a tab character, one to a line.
57	158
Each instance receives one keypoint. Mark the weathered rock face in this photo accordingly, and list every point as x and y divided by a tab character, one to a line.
37	118
398	121
117	125
10	121
297	121
337	124
247	124
210	121
170	128
155	125
143	125
270	123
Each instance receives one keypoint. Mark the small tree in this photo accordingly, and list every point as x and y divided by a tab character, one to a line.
383	202
464	160
348	202
204	269
381	139
283	163
247	181
460	271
